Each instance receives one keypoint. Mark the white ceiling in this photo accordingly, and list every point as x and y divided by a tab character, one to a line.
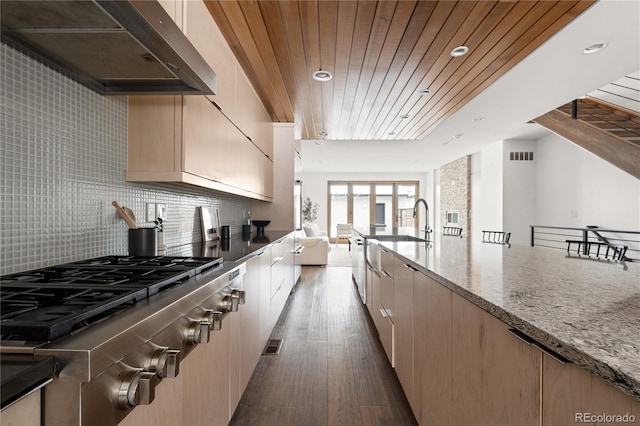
554	74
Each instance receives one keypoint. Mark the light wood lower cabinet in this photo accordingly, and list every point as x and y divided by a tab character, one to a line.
206	380
166	409
459	365
403	320
250	340
265	296
495	377
24	412
432	351
572	395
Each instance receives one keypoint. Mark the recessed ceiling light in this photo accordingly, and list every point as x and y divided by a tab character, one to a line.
478	119
319	142
322	134
425	92
391	133
596	47
404	116
459	51
458	135
322	75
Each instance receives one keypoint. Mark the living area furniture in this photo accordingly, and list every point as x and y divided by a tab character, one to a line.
343	232
316	246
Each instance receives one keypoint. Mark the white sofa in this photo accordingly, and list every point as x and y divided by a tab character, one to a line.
316	246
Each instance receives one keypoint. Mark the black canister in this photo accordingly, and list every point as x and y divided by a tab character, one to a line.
143	242
224	233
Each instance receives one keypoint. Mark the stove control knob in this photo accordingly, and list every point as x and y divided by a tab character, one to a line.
198	332
229	303
214	318
137	388
238	294
165	363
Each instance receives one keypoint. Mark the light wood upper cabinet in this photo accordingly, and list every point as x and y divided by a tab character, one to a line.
495	377
187	139
570	391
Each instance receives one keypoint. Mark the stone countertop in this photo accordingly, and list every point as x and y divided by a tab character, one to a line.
237	248
22	373
585	310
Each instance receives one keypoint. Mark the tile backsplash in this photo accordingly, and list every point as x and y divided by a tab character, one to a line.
63	157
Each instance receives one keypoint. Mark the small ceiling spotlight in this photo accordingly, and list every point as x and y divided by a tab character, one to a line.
391	133
404	116
425	92
321	75
459	51
478	119
322	134
319	143
596	47
458	135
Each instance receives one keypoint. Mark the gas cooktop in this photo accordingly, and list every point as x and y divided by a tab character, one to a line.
47	303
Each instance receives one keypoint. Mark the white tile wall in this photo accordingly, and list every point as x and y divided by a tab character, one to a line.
63	157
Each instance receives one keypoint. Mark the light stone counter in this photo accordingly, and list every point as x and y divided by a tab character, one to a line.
587	311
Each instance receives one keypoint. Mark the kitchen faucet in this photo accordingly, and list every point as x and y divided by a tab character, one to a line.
427	231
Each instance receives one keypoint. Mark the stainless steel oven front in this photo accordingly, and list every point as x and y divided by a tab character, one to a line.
113	366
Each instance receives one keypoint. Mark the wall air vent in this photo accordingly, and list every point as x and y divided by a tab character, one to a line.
521	156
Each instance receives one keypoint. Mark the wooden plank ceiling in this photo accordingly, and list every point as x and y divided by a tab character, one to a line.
381	55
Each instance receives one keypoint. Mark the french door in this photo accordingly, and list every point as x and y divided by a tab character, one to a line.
371	203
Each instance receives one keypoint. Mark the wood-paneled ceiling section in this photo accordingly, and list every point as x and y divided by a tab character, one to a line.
381	55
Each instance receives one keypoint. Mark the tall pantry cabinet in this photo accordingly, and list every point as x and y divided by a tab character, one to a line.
222	142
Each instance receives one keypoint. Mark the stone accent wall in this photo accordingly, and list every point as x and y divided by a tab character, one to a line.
455	192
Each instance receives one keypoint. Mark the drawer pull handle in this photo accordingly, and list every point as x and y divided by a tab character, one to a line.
531	341
410	267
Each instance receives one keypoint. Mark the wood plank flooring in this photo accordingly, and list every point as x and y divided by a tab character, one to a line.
331	369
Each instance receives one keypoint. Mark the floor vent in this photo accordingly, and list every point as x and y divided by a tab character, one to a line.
273	347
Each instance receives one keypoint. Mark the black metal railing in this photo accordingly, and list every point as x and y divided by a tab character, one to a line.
590	237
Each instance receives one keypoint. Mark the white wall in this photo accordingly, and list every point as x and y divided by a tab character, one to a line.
519	191
574	188
565	186
476	194
491	190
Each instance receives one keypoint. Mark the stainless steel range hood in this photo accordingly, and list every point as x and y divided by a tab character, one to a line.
112	47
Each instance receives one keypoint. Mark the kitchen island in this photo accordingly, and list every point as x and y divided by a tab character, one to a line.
581	311
482	333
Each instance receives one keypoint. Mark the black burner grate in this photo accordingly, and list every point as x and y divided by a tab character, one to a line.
47	303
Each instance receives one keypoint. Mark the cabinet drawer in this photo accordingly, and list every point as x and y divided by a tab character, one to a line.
387	297
387	261
278	275
387	336
278	250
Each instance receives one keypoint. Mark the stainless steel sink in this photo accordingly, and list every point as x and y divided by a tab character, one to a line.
398	238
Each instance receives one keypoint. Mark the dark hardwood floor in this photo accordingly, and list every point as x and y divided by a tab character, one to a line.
331	369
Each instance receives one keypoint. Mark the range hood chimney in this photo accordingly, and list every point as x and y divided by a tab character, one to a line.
113	47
